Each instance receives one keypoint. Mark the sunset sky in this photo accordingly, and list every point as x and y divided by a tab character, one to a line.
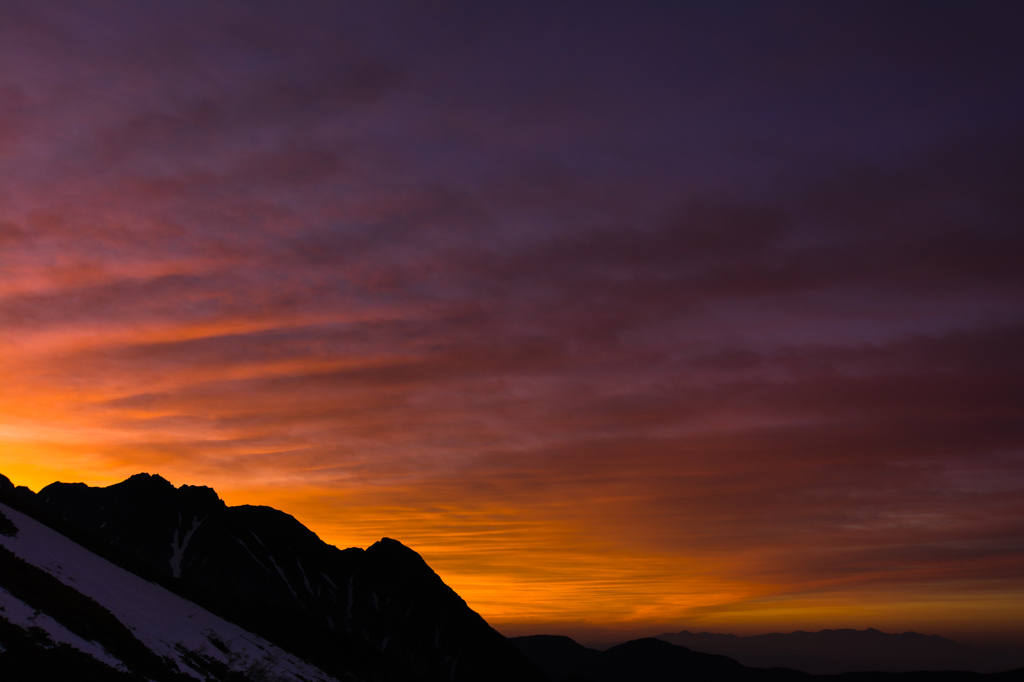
629	317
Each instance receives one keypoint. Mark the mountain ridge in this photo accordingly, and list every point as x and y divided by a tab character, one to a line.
380	613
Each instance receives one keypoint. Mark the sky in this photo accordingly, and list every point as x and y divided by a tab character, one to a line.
629	317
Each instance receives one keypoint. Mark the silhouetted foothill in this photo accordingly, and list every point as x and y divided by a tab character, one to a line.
650	660
561	657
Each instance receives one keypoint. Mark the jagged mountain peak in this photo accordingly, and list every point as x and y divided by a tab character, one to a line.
157	484
147	480
201	495
395	552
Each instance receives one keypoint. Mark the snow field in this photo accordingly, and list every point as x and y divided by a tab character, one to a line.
160	619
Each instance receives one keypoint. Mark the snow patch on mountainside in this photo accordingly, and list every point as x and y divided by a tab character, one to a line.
305	578
280	572
167	624
179	545
24	616
246	548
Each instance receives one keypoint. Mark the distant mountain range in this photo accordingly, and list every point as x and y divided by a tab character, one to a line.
655	660
833	652
145	581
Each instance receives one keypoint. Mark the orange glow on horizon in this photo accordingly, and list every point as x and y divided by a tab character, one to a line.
536	569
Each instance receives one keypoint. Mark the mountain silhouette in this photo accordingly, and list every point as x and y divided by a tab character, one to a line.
377	614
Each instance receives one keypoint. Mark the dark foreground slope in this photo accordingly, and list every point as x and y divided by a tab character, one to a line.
68	614
380	613
655	660
831	652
